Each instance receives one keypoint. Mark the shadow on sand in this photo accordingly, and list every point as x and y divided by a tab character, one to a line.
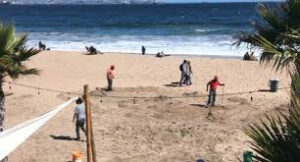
198	105
65	138
264	90
173	84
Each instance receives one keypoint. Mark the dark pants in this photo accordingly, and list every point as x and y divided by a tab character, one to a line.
188	79
109	84
80	124
182	78
212	97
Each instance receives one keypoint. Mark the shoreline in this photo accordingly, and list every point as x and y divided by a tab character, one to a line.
151	54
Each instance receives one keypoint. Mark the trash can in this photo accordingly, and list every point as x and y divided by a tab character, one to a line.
247	156
274	85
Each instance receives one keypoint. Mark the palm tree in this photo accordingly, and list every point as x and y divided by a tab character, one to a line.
278	139
13	54
277	34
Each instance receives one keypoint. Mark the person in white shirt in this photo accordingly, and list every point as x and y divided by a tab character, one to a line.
79	117
184	72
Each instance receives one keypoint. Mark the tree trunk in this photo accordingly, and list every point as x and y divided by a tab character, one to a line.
2	114
2	109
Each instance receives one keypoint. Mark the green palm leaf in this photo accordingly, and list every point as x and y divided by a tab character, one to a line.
13	53
277	139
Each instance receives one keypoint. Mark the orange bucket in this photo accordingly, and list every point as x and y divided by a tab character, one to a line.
77	156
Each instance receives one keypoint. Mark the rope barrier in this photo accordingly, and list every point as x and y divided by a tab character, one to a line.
195	96
11	138
136	97
39	88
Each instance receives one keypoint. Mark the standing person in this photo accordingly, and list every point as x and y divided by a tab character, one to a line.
213	84
79	117
188	80
110	77
143	50
183	68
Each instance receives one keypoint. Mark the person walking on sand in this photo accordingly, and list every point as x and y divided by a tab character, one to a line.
79	117
143	50
213	84
183	68
110	77
188	80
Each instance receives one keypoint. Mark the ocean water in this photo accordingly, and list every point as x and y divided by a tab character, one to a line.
198	29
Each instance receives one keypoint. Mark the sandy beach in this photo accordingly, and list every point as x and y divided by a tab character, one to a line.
151	129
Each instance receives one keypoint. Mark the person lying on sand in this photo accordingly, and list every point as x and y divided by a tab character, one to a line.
213	84
161	54
42	46
92	50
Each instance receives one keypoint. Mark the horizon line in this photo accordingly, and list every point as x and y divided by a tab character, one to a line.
160	3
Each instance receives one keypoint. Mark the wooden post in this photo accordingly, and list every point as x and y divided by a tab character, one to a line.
86	98
91	151
93	144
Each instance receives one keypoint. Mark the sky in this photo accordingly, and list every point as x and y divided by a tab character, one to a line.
195	1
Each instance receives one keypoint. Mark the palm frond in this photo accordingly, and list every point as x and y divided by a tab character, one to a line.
24	54
276	33
13	53
6	38
32	71
277	139
19	42
271	18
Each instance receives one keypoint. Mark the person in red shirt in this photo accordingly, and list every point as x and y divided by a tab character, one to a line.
110	77
213	84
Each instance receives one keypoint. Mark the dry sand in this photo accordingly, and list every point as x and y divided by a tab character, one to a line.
153	129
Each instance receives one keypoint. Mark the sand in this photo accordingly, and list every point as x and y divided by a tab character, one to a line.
149	129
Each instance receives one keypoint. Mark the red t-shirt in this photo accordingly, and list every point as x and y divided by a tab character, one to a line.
214	84
110	74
